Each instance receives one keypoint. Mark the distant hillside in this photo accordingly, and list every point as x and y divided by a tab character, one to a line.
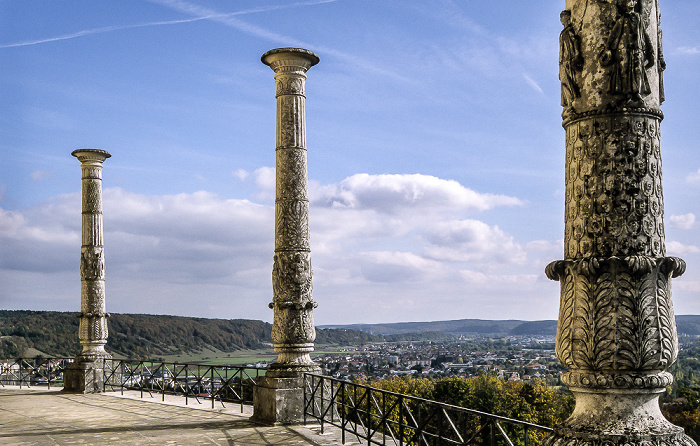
146	335
152	336
687	325
543	328
454	327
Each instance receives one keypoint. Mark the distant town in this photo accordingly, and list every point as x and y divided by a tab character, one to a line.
509	358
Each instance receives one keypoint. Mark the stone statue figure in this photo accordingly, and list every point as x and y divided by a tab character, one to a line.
570	61
660	57
630	52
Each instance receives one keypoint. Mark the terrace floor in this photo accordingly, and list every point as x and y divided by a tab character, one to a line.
38	416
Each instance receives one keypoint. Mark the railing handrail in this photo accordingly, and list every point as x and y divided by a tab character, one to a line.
437	403
370	414
220	382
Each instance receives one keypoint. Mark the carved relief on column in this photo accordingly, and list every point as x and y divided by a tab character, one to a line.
616	331
92	263
292	300
617	324
614	197
619	62
293	329
291	132
291	186
291	233
93	330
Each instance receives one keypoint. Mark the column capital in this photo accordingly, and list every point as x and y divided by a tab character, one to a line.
91	155
283	60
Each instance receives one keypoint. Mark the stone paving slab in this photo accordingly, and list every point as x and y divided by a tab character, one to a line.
51	417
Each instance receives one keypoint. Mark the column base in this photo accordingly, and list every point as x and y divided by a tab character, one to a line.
278	398
85	375
278	401
614	417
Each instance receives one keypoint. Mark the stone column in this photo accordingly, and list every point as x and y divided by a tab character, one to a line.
86	373
616	332
279	397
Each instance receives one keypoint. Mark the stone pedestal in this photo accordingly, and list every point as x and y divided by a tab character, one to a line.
616	332
279	397
279	401
86	373
84	376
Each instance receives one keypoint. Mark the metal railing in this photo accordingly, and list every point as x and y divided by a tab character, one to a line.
380	417
30	372
223	383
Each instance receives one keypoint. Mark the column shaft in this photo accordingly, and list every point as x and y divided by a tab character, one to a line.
85	374
293	329
616	331
93	323
278	397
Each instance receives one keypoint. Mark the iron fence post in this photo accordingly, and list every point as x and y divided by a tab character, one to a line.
342	414
401	417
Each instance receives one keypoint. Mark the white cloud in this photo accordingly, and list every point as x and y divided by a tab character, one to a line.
201	13
472	240
693	178
499	281
687	50
678	249
385	266
265	181
39	175
241	174
685	221
393	193
389	241
157	248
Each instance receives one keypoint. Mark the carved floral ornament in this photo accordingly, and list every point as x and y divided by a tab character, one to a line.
290	85
616	314
570	438
292	224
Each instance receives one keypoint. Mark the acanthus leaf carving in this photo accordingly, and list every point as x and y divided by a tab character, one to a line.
616	314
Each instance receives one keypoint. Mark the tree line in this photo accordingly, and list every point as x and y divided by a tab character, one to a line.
146	336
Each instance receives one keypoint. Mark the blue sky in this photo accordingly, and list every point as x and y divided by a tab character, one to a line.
436	154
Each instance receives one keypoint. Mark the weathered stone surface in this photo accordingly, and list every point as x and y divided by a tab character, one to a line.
293	329
39	417
279	401
279	397
616	331
82	376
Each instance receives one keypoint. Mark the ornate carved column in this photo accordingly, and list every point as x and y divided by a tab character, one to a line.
279	398
85	375
616	331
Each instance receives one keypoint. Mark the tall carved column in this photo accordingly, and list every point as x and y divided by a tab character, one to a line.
616	332
85	374
279	397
